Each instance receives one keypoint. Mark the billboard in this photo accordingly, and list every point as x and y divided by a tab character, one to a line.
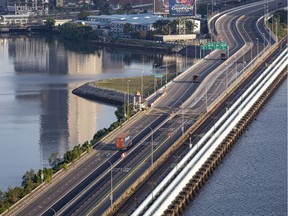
182	8
161	6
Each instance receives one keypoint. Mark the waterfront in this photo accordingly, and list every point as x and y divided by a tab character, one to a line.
39	114
252	178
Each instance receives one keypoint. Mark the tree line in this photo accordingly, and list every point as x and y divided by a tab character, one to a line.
32	179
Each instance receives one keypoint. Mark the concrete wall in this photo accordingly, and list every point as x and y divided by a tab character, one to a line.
178	37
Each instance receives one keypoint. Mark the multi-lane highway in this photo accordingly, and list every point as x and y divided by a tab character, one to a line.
86	187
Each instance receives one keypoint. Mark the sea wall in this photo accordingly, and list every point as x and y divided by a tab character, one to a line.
92	92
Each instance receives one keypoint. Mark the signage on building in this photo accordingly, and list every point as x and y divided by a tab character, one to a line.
182	8
161	6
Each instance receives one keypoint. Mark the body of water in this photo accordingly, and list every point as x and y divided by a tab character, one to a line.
252	179
39	114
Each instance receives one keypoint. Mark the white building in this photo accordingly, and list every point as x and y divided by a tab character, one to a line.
14	19
31	7
115	23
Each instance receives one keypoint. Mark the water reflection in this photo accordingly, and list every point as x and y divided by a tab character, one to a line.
39	114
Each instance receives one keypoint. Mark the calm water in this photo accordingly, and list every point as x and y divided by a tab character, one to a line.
252	180
38	113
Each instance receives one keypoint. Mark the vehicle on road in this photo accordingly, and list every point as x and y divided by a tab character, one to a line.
196	78
223	56
123	140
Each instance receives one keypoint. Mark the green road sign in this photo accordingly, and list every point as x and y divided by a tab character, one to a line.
215	46
158	75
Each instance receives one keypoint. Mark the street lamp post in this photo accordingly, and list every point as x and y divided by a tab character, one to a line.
206	98
264	41
53	211
276	31
182	118
251	53
166	72
142	80
190	141
182	127
257	47
186	57
243	60
111	189
152	150
128	105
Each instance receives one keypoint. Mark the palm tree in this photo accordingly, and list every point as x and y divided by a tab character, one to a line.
190	25
126	8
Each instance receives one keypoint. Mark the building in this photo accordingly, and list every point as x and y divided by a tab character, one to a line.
31	7
114	24
14	19
3	6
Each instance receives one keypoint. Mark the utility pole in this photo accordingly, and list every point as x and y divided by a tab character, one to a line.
111	189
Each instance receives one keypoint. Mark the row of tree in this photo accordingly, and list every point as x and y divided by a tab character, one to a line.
32	179
74	31
161	27
105	9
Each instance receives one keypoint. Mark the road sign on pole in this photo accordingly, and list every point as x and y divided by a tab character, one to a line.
215	46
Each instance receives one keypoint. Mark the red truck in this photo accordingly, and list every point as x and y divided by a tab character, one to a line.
123	140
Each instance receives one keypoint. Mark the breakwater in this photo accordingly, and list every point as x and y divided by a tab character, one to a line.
92	92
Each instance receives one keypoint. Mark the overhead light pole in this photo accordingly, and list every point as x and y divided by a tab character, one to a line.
111	188
186	56
53	211
142	79
257	47
128	105
152	150
264	40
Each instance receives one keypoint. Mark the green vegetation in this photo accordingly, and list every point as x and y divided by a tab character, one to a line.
125	8
83	14
121	84
31	179
144	43
103	6
167	27
79	32
278	23
50	23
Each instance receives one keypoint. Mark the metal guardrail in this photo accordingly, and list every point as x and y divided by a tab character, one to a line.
251	94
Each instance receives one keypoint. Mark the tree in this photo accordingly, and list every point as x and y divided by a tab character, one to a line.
173	26
14	194
127	28
126	8
142	34
190	25
50	23
119	113
1	196
103	6
83	14
48	173
162	26
54	159
29	180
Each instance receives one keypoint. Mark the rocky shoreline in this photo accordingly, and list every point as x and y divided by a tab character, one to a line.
109	96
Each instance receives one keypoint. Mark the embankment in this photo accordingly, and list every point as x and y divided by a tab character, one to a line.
92	92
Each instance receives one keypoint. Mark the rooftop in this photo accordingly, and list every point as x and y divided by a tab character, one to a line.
131	18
